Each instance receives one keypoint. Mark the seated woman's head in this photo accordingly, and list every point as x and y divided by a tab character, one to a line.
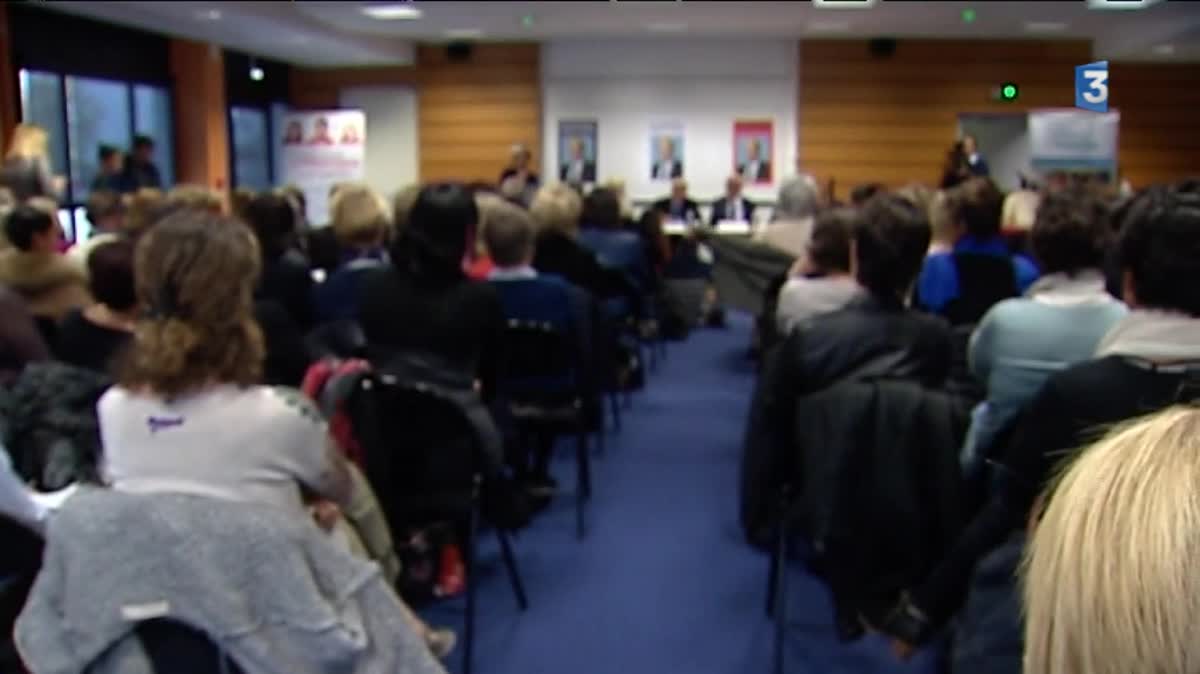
111	278
273	221
976	206
359	217
829	246
441	229
891	238
196	197
195	274
861	194
1110	584
1071	232
142	209
556	208
798	199
1159	249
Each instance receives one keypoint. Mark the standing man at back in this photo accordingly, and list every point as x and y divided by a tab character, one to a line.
140	170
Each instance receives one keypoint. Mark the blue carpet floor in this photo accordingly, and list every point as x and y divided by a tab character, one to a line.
663	583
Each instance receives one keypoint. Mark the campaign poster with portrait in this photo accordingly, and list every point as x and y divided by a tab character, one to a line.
753	148
577	151
666	151
321	149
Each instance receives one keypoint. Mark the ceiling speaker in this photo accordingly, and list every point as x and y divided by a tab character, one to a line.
459	52
882	47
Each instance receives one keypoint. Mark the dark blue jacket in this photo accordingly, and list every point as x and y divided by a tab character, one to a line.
337	298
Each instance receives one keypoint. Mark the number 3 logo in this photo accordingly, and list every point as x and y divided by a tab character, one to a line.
1091	86
1097	86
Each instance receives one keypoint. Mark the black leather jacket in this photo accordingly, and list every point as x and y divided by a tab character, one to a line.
869	338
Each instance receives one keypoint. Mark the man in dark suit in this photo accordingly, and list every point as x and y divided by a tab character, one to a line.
733	206
678	206
577	169
666	166
756	168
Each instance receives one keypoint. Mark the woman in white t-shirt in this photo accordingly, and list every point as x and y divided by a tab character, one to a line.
187	414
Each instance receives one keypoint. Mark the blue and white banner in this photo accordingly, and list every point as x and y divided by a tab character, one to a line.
1073	139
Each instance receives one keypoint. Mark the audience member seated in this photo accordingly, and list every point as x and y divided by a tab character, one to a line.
519	167
556	211
487	202
20	340
239	201
820	281
1149	360
617	187
875	335
1020	210
423	306
655	245
792	226
733	206
285	274
941	221
195	197
1109	582
532	297
678	207
602	234
143	208
321	242
51	283
95	337
861	194
1058	322
964	283
106	212
360	222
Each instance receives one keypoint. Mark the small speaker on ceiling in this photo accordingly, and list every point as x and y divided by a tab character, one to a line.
882	47
459	52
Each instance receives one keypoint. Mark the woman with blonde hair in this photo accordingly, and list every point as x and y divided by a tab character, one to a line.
361	223
1109	579
26	169
197	197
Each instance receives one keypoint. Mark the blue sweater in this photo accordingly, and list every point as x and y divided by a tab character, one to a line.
1022	341
938	284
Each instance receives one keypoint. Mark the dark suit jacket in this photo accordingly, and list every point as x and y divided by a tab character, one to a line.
589	171
689	211
719	210
676	169
764	170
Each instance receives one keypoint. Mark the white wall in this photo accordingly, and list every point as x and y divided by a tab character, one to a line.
707	84
391	134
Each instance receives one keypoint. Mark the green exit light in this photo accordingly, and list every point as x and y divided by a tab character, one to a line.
1009	92
527	20
968	15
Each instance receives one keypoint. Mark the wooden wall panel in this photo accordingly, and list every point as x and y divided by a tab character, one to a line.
866	119
9	104
320	88
471	113
201	116
1160	130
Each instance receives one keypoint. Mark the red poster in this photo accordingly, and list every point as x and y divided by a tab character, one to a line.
753	150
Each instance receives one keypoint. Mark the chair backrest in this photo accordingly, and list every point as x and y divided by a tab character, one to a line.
339	339
537	358
421	451
176	648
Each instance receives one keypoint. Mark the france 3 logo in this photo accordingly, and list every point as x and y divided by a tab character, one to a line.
1091	86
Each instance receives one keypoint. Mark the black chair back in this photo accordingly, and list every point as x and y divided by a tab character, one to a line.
422	455
539	362
176	648
339	339
983	280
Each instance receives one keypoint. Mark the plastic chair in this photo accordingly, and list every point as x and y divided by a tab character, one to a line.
541	390
424	463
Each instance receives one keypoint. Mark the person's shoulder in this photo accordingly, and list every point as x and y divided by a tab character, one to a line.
283	404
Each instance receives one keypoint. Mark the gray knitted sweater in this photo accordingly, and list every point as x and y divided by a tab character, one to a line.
269	589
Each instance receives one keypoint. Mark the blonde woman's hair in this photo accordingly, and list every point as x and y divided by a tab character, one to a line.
557	207
29	141
358	215
488	205
1110	582
195	197
142	209
195	273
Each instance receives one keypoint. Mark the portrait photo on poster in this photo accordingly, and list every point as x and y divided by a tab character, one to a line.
753	148
577	151
666	151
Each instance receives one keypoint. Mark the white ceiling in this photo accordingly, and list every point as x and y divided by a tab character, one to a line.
321	33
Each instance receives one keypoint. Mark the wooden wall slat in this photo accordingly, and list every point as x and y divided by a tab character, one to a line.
1160	129
471	113
10	106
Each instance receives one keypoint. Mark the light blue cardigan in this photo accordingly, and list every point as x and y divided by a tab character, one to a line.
1020	342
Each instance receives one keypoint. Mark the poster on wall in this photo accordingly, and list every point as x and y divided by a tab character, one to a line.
753	147
666	150
577	151
1072	140
321	149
